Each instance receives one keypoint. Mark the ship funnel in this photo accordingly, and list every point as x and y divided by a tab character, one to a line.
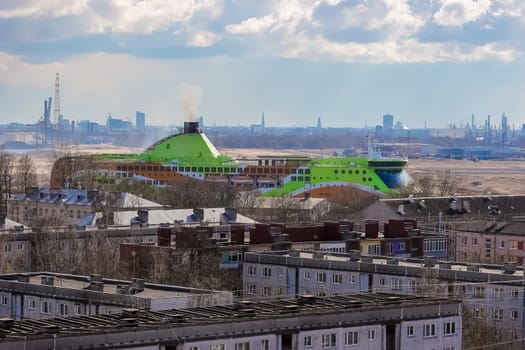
191	127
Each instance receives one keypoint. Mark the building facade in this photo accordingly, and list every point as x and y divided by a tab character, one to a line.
374	321
491	294
49	295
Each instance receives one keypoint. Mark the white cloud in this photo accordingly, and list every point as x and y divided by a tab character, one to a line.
149	16
252	25
131	16
408	51
460	12
394	17
42	8
285	16
203	39
508	8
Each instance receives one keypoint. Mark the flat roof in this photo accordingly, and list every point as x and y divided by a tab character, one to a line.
392	261
244	310
79	282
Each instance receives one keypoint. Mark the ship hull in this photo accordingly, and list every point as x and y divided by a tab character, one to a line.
192	156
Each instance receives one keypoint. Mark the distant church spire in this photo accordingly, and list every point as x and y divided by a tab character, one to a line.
262	120
319	125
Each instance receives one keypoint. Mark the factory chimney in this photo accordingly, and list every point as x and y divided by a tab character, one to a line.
191	127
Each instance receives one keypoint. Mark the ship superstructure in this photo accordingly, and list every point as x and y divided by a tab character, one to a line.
191	155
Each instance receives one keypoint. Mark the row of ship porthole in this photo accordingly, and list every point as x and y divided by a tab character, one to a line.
343	171
307	178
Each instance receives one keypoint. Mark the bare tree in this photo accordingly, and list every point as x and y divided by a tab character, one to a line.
25	175
447	183
72	169
55	250
6	170
190	193
100	255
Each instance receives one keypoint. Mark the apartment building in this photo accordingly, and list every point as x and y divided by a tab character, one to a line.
371	321
491	241
67	206
494	294
43	295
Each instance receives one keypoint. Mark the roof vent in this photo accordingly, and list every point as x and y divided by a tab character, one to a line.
290	309
246	312
47	281
6	323
509	269
306	299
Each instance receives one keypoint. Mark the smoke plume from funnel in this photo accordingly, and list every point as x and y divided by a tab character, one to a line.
188	101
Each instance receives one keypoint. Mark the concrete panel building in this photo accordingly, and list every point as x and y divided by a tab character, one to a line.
373	321
492	294
43	295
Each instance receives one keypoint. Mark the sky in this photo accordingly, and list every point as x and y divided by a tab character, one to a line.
428	62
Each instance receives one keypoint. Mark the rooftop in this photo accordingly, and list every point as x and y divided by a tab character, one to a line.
95	283
391	265
241	313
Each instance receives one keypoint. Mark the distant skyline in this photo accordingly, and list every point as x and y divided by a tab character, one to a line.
348	62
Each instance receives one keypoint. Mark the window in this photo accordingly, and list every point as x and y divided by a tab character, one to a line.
3	299
496	292
329	340
374	249
413	285
32	303
474	241
252	288
352	338
497	314
307	275
402	246
352	279
449	328
62	309
513	244
217	347
266	291
308	341
435	244
265	344
395	283
321	277
514	293
502	244
371	334
449	348
429	330
514	314
479	292
382	281
252	270
280	272
78	310
267	271
242	346
337	278
45	307
388	248
194	348
478	311
410	331
463	240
